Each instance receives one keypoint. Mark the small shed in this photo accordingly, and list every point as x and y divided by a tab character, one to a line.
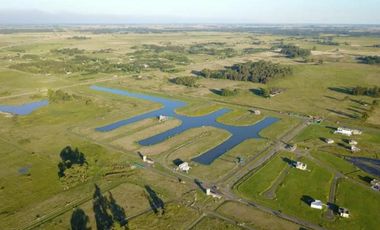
343	212
354	148
301	165
375	185
214	194
329	141
356	132
317	204
291	147
352	142
255	111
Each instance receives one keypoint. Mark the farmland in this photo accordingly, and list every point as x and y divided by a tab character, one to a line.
259	188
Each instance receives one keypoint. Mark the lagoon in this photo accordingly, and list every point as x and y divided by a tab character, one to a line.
238	133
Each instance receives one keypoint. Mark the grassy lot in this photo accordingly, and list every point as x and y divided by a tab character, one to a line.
343	166
254	218
261	180
214	223
364	214
176	216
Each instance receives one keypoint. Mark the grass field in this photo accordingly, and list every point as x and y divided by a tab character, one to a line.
254	218
214	223
261	180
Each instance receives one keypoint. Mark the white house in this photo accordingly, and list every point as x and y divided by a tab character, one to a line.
347	131
148	160
300	165
162	118
184	167
343	212
212	193
343	131
317	204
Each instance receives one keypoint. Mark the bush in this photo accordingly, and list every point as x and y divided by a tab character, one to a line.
186	81
229	92
292	51
371	60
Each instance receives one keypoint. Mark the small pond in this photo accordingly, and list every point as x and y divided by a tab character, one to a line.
23	109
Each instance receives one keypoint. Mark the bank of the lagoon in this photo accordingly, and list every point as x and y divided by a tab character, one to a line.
238	133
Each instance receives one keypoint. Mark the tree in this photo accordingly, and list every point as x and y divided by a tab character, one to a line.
79	220
365	116
265	92
186	81
69	157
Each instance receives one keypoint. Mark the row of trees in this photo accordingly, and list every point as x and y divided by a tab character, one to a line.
292	51
261	72
366	91
68	51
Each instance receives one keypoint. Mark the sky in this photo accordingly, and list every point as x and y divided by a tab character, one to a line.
190	11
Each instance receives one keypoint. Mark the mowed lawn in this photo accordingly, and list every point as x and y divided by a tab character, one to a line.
255	218
302	184
264	177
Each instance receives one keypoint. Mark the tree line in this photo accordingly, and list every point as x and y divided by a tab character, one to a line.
366	91
371	60
261	72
